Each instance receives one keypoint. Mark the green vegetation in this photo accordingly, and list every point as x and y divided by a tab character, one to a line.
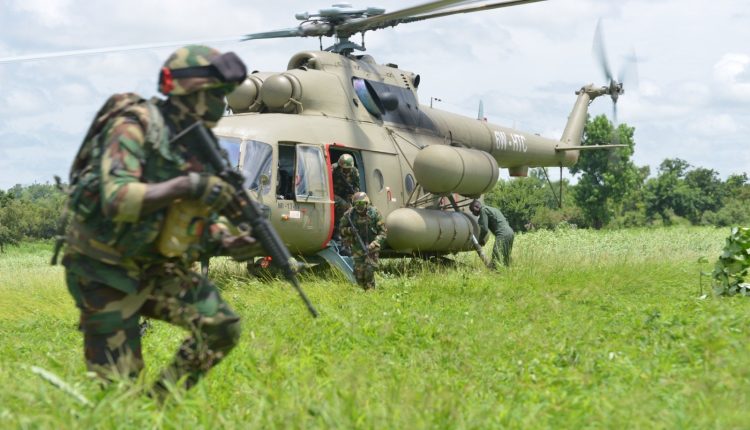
590	329
612	192
733	266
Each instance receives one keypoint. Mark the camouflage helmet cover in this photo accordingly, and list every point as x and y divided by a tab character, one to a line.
196	67
360	196
346	161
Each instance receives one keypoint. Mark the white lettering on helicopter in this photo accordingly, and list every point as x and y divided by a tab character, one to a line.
515	143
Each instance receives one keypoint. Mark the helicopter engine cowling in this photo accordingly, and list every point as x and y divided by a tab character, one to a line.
442	169
282	93
427	230
245	98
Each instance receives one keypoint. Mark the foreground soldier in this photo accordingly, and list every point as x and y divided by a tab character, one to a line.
345	184
363	230
492	220
130	185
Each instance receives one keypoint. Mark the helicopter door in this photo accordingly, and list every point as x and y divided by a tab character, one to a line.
303	194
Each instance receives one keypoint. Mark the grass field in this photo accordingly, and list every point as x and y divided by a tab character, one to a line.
587	330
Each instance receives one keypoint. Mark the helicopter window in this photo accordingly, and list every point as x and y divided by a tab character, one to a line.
379	179
409	183
391	103
367	95
285	177
232	148
311	181
256	163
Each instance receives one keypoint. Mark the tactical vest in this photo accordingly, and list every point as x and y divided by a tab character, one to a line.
90	232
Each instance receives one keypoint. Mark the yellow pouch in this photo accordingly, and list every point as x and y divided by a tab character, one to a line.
182	227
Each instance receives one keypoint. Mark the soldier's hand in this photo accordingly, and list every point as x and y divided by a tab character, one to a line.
373	246
210	190
242	247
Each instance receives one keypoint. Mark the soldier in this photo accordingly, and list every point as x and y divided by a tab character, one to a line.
345	184
129	184
363	230
492	220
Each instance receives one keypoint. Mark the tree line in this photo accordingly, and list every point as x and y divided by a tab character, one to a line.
611	192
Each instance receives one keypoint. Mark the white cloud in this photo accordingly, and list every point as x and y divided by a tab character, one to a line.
48	13
733	76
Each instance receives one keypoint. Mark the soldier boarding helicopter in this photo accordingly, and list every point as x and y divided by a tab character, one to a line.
418	165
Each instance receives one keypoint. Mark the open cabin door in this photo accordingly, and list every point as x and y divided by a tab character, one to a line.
303	214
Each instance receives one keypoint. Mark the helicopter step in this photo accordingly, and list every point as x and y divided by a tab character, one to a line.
345	264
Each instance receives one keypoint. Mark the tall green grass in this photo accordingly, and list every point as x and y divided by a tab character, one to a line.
587	330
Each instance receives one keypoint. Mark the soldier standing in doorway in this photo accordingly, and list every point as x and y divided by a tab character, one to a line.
345	184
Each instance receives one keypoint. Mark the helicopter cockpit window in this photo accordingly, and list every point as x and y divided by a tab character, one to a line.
256	165
409	183
232	147
391	103
311	180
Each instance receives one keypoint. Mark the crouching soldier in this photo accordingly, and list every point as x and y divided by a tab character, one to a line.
363	230
492	220
131	184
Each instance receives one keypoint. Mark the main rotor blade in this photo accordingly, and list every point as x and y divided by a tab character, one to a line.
81	52
286	32
481	7
629	71
599	51
375	22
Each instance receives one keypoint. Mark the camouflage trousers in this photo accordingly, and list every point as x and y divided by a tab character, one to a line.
111	300
364	270
340	206
503	247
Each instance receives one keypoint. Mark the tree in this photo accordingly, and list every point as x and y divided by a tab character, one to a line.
607	175
518	199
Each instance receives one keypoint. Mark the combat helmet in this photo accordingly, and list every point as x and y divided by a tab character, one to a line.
346	161
360	200
196	67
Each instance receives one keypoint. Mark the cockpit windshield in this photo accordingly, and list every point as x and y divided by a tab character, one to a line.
232	147
256	166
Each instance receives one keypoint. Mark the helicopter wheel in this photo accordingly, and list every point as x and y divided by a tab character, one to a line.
262	270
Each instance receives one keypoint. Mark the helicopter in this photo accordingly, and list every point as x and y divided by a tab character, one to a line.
420	166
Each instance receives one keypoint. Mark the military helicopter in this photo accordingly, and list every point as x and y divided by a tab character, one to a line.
286	130
419	165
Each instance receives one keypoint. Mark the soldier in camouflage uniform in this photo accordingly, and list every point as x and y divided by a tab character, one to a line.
363	230
345	184
126	176
492	220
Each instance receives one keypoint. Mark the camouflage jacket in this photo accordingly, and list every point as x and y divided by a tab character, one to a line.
491	220
370	227
345	184
126	148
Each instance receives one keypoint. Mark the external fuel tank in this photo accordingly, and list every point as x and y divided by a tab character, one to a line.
427	230
443	169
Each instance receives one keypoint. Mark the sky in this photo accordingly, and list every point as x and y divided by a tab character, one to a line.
690	99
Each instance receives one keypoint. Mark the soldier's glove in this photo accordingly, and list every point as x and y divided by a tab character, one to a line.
242	247
373	246
210	190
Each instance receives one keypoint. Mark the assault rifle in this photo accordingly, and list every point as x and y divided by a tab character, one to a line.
356	233
243	210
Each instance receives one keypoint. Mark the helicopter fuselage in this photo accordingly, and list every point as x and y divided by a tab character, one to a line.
288	129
